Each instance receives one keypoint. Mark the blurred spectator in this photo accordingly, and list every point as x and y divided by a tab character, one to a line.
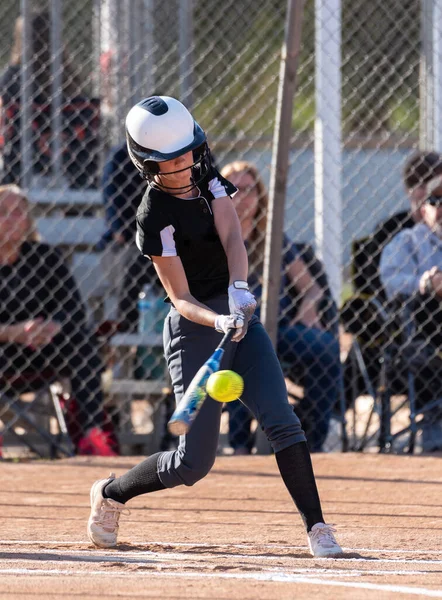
307	348
42	319
123	188
418	170
125	268
80	115
357	314
411	267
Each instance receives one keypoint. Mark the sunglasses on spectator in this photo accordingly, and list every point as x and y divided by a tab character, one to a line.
434	200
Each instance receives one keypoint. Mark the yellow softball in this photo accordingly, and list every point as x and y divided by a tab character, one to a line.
225	386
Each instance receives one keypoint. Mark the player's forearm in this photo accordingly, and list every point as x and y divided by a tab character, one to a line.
195	311
237	259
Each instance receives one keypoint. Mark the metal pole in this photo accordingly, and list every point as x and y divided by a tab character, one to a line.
437	75
26	98
148	59
96	32
134	38
426	80
279	167
185	51
57	93
278	181
126	62
328	161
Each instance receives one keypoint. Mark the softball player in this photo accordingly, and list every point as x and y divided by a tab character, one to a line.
187	225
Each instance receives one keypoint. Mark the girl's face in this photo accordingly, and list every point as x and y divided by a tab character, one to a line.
14	221
247	199
176	173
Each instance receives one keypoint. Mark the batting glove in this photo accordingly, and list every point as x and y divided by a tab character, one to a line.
225	322
241	300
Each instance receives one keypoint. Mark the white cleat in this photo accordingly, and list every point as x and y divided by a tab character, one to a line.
102	527
322	542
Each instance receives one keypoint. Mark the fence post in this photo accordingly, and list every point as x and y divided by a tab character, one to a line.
57	93
328	204
278	179
426	83
437	75
26	98
185	43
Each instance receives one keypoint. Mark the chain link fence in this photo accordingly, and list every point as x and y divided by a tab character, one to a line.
71	273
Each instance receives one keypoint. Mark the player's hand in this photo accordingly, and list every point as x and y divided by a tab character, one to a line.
34	333
237	321
241	301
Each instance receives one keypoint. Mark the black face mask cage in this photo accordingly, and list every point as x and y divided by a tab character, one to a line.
199	169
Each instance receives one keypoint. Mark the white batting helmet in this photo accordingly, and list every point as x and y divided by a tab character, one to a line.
160	128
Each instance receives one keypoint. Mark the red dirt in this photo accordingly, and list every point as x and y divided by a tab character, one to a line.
234	535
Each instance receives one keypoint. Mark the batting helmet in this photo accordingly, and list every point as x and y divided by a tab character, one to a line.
160	128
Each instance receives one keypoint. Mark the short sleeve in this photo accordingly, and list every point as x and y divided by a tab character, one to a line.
155	233
219	186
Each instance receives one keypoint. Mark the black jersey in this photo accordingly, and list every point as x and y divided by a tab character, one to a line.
185	227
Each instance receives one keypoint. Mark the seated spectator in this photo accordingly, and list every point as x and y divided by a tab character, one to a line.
305	345
80	115
411	267
418	170
42	319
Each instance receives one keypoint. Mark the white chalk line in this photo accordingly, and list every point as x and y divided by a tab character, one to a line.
277	577
131	556
177	556
162	563
210	545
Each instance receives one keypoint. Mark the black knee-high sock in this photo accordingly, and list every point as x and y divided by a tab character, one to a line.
142	479
295	466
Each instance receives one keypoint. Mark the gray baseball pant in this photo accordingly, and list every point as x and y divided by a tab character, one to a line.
187	346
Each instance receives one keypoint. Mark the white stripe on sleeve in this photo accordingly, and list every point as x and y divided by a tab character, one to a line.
168	242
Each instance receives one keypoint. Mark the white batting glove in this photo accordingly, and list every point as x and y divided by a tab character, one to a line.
241	300
225	322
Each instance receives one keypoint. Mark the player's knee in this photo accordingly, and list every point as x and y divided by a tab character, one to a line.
285	429
194	473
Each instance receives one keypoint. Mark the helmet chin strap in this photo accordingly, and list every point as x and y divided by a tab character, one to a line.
180	189
185	188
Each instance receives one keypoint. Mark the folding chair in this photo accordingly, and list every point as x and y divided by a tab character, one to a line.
384	360
34	415
417	353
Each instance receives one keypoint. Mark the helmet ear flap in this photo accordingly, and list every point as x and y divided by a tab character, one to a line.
199	151
202	157
151	167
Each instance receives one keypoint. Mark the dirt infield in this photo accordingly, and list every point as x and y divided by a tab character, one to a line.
233	535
